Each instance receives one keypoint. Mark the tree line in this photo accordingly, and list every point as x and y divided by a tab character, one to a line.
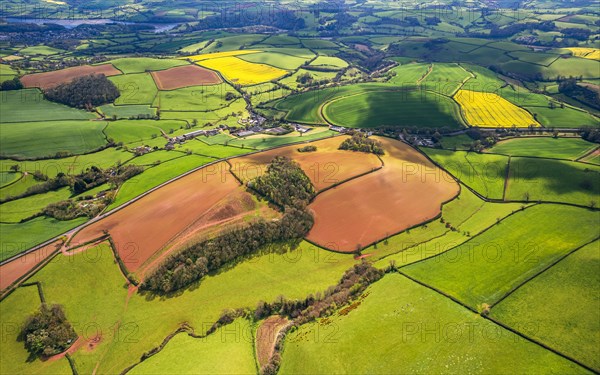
284	184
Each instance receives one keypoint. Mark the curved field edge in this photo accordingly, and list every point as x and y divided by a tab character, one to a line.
447	112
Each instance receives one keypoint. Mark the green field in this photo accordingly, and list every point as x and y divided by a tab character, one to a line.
568	319
554	181
408	328
329	62
71	165
18	187
445	78
544	147
229	350
277	60
305	107
7	178
197	98
413	108
292	273
128	131
16	238
68	280
155	157
467	214
260	142
483	173
231	43
292	81
510	252
135	89
30	105
408	74
13	312
75	137
457	142
564	117
126	111
40	50
200	147
143	64
20	209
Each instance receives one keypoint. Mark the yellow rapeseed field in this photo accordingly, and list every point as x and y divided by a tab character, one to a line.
488	110
586	53
243	72
216	55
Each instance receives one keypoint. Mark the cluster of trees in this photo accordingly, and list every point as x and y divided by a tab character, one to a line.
47	332
79	183
581	93
284	184
11	84
591	135
95	176
84	92
69	210
230	17
309	148
360	142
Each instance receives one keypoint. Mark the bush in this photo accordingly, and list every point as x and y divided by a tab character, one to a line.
309	148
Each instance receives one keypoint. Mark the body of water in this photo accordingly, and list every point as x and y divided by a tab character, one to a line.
72	23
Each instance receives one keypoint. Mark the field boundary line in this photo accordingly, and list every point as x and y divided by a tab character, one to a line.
15	181
549	266
470	239
495	200
27	275
502	325
588	153
535	341
454	299
506	179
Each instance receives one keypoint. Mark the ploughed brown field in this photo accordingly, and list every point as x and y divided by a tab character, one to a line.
172	215
183	76
407	191
50	79
11	271
325	167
